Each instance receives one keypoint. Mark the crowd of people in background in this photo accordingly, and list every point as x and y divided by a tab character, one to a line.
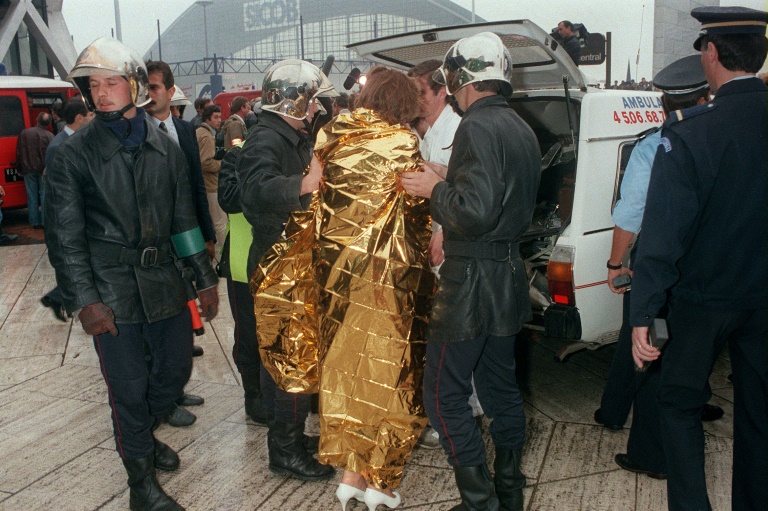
643	84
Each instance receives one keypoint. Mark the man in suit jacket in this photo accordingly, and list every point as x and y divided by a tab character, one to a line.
161	89
234	127
76	115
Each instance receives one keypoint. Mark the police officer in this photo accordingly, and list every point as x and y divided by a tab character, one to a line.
705	240
116	227
683	85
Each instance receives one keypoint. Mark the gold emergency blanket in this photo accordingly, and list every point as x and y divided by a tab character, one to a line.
351	287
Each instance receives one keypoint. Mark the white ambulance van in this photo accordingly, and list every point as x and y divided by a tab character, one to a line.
586	135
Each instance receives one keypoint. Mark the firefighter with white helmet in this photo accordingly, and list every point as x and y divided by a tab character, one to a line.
485	203
117	225
276	174
179	102
481	57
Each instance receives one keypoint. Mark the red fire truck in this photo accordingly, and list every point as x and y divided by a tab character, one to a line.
224	99
22	98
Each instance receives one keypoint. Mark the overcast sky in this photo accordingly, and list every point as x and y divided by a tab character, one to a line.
629	21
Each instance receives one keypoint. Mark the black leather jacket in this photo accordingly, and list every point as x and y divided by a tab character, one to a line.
484	205
105	204
269	172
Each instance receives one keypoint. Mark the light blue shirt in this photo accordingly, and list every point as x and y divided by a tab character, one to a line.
628	212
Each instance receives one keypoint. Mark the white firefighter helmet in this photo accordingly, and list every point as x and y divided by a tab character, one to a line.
108	57
179	98
477	58
290	87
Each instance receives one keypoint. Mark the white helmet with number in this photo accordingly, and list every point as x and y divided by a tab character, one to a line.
109	57
477	58
290	87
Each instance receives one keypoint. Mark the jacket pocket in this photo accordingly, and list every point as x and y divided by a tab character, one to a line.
454	270
454	314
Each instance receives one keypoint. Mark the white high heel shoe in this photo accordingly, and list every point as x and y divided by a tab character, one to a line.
374	498
346	491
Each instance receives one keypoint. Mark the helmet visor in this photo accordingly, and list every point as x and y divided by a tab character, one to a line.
451	73
457	71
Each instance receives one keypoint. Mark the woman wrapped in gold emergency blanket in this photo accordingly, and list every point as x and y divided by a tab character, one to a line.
343	302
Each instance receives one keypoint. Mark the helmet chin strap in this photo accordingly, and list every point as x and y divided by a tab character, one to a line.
307	125
113	116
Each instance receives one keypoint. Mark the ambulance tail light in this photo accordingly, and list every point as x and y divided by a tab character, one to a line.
560	276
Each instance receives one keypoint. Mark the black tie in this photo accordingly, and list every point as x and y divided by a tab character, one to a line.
163	128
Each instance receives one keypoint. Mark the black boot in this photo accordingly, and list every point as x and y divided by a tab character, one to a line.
476	489
311	443
253	406
146	493
165	457
508	479
288	456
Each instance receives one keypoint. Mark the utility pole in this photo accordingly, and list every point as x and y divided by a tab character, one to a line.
608	57
118	28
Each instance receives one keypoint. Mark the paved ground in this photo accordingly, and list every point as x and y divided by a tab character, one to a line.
57	452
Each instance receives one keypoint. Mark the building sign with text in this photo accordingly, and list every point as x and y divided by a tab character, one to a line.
593	52
262	14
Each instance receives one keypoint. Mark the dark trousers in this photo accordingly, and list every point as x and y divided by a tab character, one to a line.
245	351
138	393
620	386
697	334
645	446
287	407
448	376
626	388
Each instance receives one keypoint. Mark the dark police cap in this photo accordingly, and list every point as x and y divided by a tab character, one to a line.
729	20
683	76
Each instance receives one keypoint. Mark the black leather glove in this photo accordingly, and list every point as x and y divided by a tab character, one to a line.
209	303
220	153
98	319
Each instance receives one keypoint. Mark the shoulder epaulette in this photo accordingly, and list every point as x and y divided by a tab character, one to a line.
681	115
644	134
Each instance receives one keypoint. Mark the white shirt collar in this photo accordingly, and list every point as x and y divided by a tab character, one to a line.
744	77
157	121
168	125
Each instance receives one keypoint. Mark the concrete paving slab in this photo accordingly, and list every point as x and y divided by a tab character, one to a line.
17	370
85	483
40	435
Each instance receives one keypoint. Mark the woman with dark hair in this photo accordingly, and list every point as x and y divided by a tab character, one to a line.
364	301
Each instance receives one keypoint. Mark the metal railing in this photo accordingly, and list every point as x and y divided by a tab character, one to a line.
226	65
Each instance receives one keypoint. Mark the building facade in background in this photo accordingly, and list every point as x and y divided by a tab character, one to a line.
247	36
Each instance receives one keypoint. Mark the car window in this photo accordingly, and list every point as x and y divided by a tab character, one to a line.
12	115
625	151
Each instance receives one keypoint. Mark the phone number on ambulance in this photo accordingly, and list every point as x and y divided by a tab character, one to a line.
633	117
